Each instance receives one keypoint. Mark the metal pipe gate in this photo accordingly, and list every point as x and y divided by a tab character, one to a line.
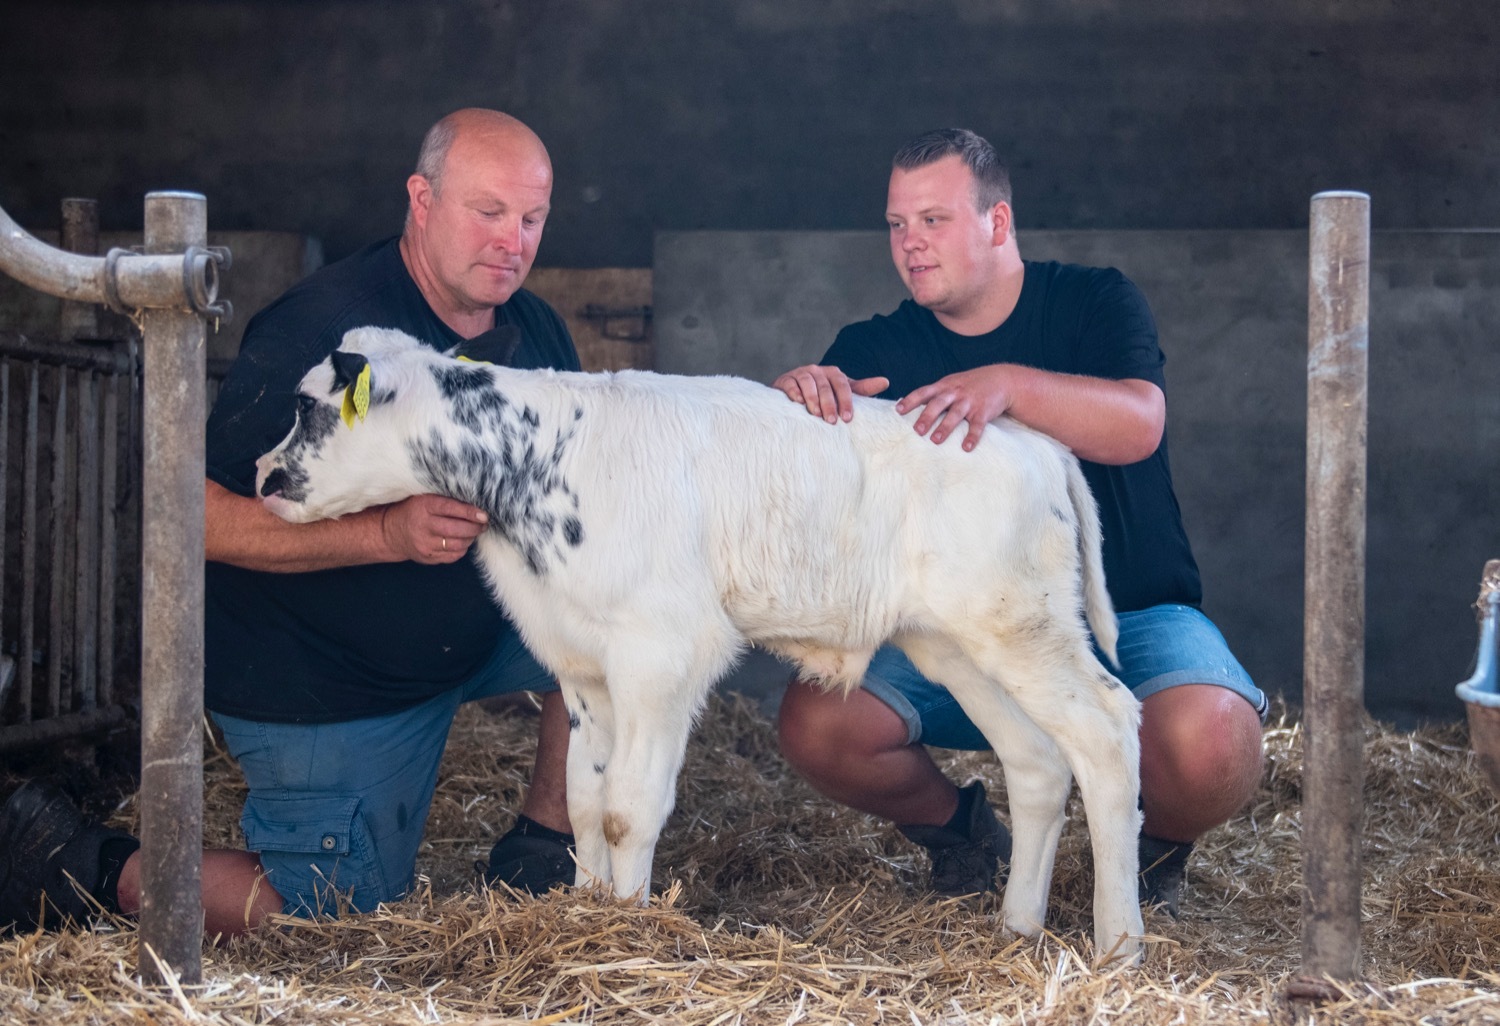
67	412
169	290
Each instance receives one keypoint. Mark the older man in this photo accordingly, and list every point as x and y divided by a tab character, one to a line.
338	652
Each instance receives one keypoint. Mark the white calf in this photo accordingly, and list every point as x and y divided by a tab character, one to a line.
644	529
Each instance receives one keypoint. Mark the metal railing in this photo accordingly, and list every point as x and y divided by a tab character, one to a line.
69	609
168	290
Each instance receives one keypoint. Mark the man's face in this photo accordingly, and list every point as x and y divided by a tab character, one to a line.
479	233
943	247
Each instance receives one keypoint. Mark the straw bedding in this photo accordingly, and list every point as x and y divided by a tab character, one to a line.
782	908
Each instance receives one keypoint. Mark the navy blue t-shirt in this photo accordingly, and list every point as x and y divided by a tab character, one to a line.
1074	320
350	642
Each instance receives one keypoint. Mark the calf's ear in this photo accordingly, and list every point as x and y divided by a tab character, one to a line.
351	372
346	368
498	345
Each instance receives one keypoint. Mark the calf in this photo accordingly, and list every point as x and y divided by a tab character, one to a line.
643	529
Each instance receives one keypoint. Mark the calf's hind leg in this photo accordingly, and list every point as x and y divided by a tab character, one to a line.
1037	778
1054	679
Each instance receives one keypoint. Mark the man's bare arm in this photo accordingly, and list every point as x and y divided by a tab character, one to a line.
426	528
1103	421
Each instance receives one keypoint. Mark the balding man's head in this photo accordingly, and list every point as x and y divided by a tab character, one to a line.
477	125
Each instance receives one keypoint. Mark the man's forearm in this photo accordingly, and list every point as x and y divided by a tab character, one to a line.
243	533
1103	421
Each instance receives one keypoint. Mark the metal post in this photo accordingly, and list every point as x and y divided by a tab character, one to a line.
80	234
172	611
1338	311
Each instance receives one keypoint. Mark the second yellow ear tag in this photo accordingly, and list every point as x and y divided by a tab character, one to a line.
357	398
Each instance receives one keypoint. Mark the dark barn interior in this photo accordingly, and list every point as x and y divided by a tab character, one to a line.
720	175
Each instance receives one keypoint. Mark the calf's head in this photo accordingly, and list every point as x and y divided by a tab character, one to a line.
345	451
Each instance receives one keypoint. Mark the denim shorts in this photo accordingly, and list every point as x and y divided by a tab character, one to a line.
336	810
1159	648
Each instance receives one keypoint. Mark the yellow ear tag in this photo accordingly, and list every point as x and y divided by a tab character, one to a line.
357	398
465	359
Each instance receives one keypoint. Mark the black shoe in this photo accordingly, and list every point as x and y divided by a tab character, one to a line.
965	860
49	859
1163	867
531	858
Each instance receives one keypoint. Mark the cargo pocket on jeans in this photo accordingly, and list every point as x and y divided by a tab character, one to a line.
316	851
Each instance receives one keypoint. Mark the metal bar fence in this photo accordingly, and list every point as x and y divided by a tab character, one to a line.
59	471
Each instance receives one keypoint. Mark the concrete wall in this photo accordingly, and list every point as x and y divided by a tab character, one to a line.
1232	312
754	114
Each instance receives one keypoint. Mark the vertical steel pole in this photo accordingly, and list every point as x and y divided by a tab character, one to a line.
172	611
1338	315
80	234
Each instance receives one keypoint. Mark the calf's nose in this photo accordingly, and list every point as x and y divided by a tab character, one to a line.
274	482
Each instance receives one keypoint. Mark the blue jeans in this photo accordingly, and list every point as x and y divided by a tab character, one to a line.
1159	648
339	808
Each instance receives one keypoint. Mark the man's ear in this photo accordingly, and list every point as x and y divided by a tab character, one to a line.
1002	225
498	346
419	198
346	368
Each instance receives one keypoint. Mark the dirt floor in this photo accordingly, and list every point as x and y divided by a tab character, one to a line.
779	907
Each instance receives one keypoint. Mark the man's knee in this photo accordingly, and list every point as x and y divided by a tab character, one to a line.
1201	741
820	731
803	725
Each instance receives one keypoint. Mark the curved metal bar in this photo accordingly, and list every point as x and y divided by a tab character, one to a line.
122	280
47	269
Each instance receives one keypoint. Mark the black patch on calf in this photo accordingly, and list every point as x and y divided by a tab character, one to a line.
599	768
501	465
314	425
275	481
474	402
315	422
573	721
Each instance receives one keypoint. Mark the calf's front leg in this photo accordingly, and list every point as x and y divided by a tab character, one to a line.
590	743
640	782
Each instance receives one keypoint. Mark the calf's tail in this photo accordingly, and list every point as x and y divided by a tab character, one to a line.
1097	607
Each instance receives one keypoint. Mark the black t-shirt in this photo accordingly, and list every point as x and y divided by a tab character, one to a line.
356	641
1075	320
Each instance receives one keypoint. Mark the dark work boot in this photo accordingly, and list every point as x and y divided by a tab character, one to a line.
969	850
50	865
531	858
1163	867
